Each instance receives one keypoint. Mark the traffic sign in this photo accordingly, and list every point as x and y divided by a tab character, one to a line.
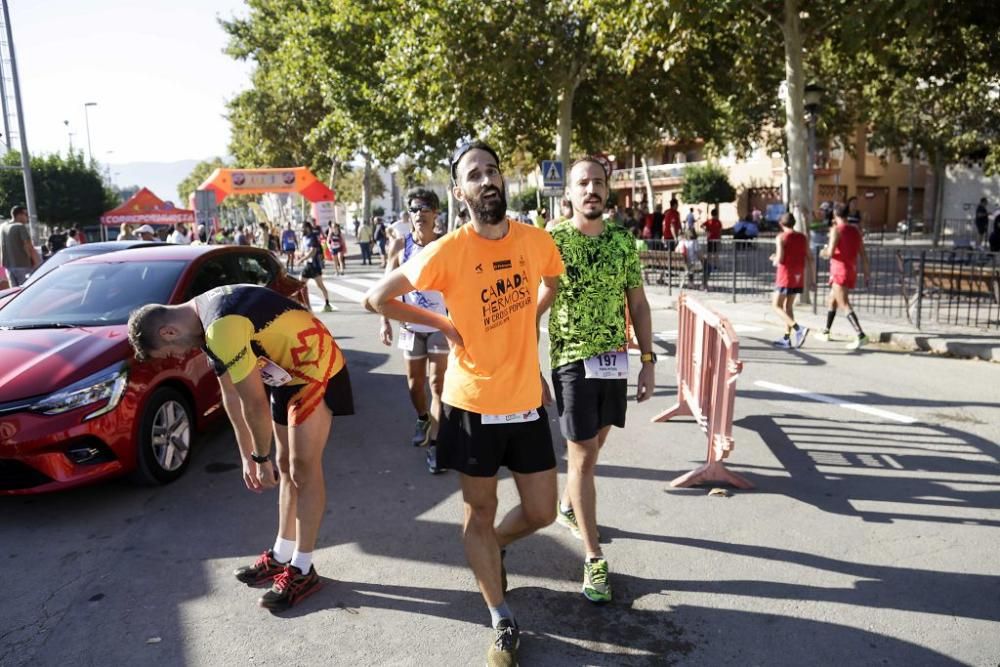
553	175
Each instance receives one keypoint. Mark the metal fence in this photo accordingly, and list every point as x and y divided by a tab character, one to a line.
923	285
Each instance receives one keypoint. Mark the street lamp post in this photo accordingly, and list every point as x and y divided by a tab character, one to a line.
86	119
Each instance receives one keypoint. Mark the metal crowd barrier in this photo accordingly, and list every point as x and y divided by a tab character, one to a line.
707	367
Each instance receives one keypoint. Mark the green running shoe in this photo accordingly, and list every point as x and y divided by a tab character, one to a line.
857	343
595	580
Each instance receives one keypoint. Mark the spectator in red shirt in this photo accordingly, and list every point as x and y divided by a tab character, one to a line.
713	227
672	225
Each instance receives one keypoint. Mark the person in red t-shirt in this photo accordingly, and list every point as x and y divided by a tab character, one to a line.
791	260
845	246
713	228
672	225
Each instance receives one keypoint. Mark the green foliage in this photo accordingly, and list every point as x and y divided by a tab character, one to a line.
123	194
526	200
349	182
67	189
707	183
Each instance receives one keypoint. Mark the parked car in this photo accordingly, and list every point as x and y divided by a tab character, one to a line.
75	405
68	255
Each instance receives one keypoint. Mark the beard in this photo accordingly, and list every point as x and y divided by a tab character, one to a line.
593	214
491	212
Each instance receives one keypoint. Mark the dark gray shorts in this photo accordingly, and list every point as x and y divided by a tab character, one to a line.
586	405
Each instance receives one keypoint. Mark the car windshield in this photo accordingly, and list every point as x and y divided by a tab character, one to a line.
60	258
85	294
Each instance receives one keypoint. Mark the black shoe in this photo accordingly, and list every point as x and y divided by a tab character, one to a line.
503	650
290	587
263	570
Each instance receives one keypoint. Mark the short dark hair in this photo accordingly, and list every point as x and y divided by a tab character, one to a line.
465	148
144	326
786	220
841	210
589	158
424	194
17	210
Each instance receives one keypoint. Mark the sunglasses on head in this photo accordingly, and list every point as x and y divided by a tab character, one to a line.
423	208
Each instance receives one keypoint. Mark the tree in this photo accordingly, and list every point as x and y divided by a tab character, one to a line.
350	187
707	183
68	190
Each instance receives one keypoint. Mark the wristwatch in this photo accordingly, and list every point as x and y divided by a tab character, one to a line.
259	459
648	356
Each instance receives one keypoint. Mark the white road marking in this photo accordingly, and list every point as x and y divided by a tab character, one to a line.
351	295
822	398
355	281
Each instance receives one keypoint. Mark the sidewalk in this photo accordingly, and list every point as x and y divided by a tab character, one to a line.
966	343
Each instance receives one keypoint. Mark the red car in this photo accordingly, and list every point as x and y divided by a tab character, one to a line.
75	406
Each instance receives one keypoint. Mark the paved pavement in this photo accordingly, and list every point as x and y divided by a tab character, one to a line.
870	539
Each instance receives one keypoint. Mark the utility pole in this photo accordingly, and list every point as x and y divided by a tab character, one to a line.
29	187
86	120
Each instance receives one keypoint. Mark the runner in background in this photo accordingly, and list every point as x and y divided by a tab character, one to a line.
289	244
425	349
846	245
312	262
791	260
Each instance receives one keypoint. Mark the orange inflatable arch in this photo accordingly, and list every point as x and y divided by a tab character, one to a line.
298	180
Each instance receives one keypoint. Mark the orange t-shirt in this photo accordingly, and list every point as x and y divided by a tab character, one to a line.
491	291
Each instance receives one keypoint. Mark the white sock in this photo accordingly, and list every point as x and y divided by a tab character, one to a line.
302	560
283	549
564	507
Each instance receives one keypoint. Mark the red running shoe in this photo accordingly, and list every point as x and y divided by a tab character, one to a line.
290	587
263	570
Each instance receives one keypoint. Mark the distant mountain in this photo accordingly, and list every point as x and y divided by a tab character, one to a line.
160	177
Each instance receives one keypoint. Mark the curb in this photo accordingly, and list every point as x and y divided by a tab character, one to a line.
917	342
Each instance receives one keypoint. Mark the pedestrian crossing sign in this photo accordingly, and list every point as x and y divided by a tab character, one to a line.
553	174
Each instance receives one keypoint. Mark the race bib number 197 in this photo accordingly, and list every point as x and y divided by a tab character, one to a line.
607	366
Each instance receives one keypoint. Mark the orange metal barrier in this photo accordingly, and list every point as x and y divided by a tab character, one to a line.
707	367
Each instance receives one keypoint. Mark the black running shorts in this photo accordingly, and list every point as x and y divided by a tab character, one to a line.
467	445
586	405
294	399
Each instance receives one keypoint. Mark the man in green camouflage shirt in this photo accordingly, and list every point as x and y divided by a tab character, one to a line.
588	350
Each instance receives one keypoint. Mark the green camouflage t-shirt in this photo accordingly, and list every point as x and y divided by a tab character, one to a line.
588	316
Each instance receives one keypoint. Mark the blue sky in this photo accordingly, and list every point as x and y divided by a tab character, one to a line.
154	67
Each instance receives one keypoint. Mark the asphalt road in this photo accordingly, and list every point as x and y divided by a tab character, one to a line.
871	539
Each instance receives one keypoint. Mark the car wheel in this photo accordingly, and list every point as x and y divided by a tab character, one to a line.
165	436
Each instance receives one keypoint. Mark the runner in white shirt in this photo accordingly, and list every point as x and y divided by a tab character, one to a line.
179	235
425	349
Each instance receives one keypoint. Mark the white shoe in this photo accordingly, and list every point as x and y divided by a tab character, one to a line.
783	343
799	336
857	343
823	336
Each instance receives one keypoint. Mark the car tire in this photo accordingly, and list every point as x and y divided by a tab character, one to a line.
166	433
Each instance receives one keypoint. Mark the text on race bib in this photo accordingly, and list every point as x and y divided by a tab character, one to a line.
512	418
607	366
271	373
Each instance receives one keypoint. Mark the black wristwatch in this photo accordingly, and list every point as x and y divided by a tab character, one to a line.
648	356
259	459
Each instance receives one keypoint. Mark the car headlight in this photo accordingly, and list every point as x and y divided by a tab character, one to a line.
106	388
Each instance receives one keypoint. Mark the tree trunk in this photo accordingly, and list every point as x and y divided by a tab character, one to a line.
366	190
564	124
799	200
648	182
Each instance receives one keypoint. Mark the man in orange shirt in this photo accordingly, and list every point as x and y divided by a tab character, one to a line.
489	271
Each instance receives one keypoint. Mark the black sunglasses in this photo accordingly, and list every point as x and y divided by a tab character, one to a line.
420	209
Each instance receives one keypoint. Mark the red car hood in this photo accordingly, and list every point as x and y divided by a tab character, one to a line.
34	362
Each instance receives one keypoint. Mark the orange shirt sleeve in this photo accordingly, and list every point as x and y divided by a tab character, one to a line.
429	269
